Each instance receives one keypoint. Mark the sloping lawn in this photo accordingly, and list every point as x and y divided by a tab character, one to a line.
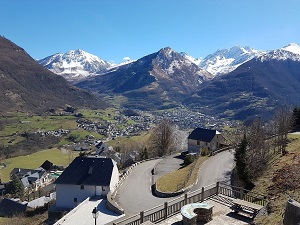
34	160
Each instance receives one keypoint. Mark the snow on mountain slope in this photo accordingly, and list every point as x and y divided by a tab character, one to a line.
170	61
292	47
226	60
191	58
291	51
74	64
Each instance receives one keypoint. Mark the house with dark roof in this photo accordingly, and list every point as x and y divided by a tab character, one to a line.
201	138
11	207
101	147
83	178
32	179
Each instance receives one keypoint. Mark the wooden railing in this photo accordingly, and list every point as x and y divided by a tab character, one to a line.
241	193
174	206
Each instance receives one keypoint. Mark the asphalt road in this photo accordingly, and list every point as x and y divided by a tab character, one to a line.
216	168
135	195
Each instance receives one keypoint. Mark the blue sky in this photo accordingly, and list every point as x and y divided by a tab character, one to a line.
114	29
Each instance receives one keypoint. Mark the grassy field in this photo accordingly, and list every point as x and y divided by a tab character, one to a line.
33	123
140	140
33	161
174	181
279	182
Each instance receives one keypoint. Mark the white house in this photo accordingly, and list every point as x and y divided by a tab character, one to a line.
205	138
83	178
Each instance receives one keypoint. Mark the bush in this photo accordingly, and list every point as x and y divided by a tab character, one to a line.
189	159
205	151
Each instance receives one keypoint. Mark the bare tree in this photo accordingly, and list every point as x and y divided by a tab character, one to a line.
283	124
163	138
258	153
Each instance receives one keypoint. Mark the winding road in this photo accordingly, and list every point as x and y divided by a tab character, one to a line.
135	195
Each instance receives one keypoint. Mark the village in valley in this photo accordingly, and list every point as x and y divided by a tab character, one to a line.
39	189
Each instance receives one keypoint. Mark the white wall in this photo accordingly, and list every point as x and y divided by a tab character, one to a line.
65	194
114	178
216	141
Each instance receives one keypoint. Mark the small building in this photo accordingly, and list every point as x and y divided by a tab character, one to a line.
101	147
201	138
85	177
12	207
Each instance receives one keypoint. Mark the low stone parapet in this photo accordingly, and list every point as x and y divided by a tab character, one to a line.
196	212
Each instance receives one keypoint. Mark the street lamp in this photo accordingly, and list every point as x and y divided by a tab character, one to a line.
95	213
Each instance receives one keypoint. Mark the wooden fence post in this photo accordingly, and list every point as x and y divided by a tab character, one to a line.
241	193
166	210
202	194
142	217
218	185
185	199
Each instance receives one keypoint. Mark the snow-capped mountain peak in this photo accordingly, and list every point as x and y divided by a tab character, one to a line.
291	51
74	64
292	47
226	60
171	61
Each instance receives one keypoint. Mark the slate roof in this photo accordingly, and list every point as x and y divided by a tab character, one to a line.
87	171
101	147
47	165
201	134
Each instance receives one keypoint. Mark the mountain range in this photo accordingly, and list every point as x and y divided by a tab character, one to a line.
76	65
27	86
256	88
242	82
159	80
258	83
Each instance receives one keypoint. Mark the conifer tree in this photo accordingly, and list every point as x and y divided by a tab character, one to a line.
16	188
240	159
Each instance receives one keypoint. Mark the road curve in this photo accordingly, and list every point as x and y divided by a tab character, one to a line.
135	195
216	168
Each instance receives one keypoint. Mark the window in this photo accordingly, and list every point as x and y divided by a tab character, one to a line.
81	187
206	143
75	199
198	142
103	189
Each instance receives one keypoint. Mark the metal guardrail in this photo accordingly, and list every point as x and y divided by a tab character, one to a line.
168	209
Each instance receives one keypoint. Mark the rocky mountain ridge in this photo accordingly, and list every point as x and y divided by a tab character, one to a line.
162	77
28	87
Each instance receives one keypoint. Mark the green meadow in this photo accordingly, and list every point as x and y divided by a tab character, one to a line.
33	161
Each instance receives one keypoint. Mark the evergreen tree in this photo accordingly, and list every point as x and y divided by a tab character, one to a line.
296	118
240	159
16	188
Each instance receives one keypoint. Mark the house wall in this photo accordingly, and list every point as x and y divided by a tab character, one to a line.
216	142
65	194
193	147
114	178
213	145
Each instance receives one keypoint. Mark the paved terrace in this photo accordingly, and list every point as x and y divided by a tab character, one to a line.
82	214
222	215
